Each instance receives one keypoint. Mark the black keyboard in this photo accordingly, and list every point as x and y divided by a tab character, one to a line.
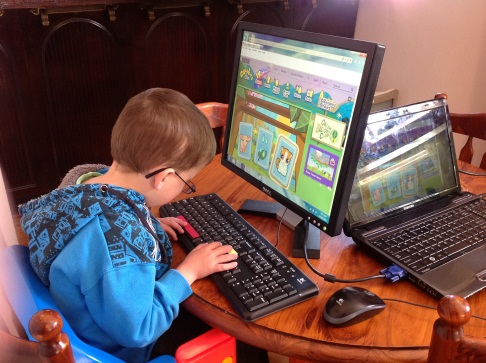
433	242
265	281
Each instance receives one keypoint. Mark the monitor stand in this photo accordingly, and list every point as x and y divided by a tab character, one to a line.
304	232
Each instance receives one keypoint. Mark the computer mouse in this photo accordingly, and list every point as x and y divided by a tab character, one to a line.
352	305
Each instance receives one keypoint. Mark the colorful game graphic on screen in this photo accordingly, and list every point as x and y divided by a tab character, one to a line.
285	138
290	117
321	165
283	164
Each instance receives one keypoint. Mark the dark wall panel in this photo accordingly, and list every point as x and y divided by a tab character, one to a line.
14	158
181	61
85	91
68	67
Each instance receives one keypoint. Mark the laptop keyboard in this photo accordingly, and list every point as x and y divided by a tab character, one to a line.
265	280
437	240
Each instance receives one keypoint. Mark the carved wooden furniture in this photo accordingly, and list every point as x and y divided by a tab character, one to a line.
52	345
216	113
67	68
449	343
401	333
472	125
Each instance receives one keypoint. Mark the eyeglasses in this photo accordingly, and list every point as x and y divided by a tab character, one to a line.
189	186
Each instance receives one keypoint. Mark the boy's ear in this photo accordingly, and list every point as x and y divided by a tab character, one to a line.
159	179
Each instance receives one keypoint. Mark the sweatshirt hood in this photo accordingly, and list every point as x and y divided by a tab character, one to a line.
52	220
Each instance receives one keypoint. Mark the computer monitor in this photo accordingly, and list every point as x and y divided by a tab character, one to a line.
298	108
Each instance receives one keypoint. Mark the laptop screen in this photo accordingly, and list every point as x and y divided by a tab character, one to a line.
407	159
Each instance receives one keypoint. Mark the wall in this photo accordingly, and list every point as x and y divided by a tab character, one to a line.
8	236
63	84
431	46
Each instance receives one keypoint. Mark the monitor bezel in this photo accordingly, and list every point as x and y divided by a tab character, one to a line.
350	157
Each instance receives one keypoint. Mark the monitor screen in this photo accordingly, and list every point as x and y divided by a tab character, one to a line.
297	113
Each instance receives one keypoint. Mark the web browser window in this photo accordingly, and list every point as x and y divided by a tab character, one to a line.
293	105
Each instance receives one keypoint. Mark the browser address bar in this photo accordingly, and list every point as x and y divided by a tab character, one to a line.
306	51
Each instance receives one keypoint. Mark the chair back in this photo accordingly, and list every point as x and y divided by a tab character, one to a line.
216	114
449	344
384	99
473	125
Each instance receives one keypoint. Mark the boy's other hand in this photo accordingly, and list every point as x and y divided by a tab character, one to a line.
205	259
172	226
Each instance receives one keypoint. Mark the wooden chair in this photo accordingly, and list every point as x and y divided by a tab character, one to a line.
384	99
472	125
449	344
52	345
216	113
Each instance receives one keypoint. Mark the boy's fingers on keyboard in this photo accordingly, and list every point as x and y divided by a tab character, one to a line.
225	257
228	266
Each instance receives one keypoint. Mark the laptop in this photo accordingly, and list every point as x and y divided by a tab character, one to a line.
406	206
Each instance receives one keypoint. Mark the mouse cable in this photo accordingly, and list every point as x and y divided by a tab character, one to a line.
471	173
392	273
280	225
424	306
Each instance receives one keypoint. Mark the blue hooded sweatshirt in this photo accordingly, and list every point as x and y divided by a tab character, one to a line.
106	261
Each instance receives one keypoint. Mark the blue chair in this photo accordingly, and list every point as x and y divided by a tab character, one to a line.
28	295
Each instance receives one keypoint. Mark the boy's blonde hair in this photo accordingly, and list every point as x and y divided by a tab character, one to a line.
162	127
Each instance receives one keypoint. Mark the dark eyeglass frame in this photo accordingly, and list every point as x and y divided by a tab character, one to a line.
189	187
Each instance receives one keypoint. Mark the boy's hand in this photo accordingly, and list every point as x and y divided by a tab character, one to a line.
172	226
205	259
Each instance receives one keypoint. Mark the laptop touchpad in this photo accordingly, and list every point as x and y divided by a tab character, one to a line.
465	273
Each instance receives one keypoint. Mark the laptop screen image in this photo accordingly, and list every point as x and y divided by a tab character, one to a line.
406	159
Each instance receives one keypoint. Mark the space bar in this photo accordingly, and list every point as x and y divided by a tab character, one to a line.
457	247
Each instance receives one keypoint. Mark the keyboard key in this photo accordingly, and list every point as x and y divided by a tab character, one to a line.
276	295
256	304
239	289
456	248
189	228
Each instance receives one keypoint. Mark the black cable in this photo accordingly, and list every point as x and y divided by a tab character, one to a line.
327	277
471	173
279	225
332	278
424	306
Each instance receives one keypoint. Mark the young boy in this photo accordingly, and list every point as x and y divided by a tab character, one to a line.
95	243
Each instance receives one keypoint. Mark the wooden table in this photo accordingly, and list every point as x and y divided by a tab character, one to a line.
401	333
